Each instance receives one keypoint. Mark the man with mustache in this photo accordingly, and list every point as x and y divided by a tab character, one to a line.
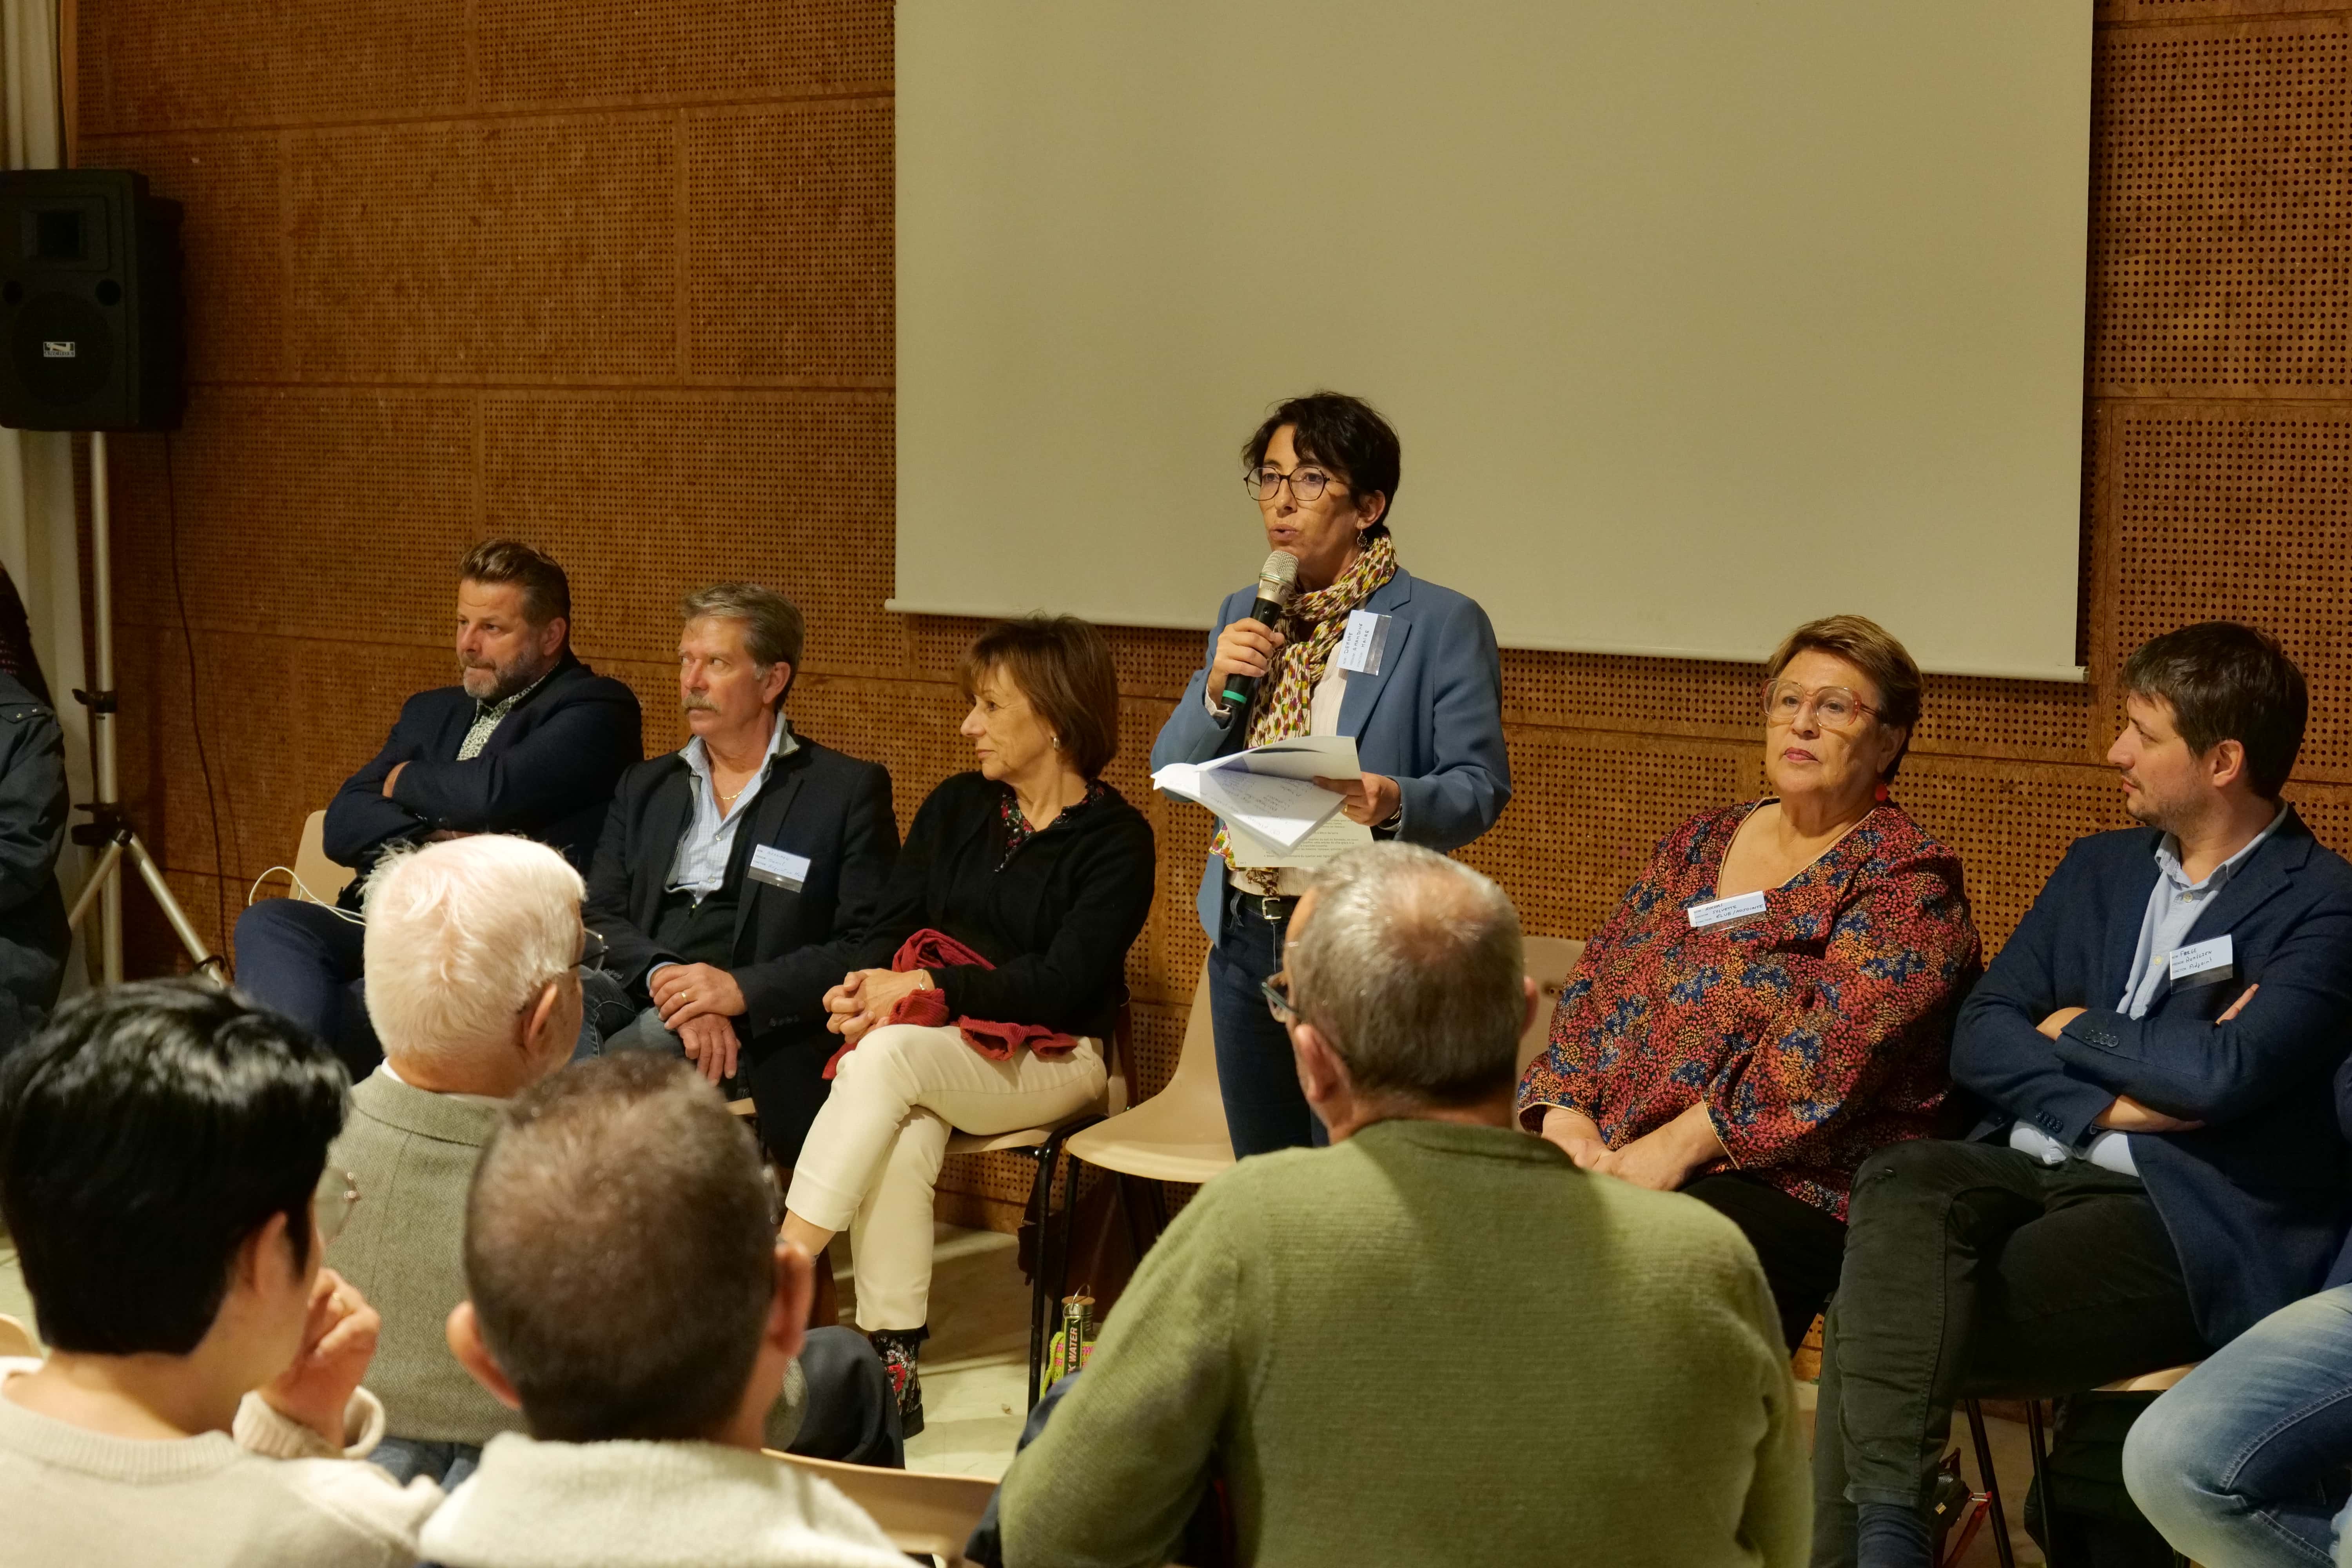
530	741
731	871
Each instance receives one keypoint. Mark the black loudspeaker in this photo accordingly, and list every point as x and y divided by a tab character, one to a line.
90	301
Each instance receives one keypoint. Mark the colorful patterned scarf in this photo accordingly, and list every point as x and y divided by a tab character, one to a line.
1314	624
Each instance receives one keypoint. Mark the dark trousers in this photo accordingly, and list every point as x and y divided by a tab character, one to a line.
784	1073
1800	1246
303	960
1972	1269
1265	1108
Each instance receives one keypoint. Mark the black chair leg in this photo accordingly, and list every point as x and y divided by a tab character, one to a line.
1041	1195
1991	1484
2041	1453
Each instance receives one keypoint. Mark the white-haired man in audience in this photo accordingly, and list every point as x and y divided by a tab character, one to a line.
473	954
1437	1339
643	1328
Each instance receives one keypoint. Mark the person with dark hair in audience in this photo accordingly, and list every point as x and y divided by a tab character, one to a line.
2247	1461
33	808
1773	998
2160	1166
1320	1327
728	866
165	1178
473	950
531	741
985	994
644	1328
1419	689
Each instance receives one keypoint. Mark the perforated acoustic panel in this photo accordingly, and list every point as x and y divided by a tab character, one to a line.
618	278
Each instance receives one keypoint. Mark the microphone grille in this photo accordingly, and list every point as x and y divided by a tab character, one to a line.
1281	570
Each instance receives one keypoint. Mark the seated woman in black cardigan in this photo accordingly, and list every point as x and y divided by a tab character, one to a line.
1005	930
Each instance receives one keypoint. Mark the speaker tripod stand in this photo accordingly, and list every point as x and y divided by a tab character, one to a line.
108	825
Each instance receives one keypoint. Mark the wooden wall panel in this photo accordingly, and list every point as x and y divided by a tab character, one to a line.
617	276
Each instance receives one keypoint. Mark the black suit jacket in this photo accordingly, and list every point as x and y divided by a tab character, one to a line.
817	803
33	811
2255	1200
547	772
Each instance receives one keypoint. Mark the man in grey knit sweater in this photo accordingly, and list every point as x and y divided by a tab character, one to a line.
1436	1340
472	953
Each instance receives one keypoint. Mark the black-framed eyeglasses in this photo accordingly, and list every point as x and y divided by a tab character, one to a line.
1265	482
338	1195
1276	992
593	950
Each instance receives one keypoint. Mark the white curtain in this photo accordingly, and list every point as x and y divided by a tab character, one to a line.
36	498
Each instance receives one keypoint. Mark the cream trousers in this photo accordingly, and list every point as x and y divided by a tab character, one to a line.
872	1158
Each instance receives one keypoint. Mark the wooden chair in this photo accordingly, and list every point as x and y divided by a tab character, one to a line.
923	1513
15	1339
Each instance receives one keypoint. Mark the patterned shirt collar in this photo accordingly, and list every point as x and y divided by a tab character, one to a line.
488	716
1017	831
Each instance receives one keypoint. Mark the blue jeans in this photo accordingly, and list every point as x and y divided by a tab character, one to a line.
303	960
2244	1462
407	1458
1265	1108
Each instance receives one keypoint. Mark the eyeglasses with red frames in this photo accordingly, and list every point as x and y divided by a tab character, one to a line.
1834	707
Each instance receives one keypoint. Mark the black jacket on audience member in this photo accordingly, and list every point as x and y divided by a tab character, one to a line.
1056	921
33	811
546	773
2255	1199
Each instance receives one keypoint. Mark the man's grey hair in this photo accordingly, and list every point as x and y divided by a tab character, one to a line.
773	628
1411	967
460	938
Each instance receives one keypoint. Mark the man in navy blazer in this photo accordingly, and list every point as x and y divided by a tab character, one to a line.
1426	718
2159	1164
736	874
530	741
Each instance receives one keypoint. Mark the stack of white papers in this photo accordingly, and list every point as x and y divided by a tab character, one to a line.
1274	815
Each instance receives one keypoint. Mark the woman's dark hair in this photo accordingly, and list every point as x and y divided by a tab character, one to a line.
144	1134
1064	667
2227	682
1344	434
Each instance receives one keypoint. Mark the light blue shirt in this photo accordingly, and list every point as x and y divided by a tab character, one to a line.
699	867
2173	906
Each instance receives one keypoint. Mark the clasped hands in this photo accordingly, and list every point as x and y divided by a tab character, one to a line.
2126	1114
1248	647
866	998
1662	1160
697	1002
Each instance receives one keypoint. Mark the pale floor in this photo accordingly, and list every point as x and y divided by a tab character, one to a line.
975	1367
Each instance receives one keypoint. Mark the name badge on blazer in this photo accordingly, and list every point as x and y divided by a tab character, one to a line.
778	867
2206	962
1727	911
1361	644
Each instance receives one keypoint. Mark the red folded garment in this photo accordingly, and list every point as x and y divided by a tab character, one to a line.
928	949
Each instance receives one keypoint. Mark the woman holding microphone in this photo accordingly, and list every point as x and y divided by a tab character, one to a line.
1424	706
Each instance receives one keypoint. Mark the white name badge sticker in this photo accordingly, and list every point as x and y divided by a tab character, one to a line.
2205	962
778	867
1360	645
1727	911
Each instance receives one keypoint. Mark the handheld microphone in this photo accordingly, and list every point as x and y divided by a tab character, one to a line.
1276	581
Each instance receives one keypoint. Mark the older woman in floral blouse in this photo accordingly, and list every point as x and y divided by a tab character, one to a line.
1773	998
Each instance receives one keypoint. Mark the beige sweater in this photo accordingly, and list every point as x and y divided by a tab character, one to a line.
274	1493
648	1505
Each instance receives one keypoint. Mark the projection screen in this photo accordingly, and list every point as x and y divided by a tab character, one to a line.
1696	320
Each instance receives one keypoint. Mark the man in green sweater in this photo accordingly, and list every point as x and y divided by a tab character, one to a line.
1436	1340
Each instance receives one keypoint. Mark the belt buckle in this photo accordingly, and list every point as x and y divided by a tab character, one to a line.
1266	908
